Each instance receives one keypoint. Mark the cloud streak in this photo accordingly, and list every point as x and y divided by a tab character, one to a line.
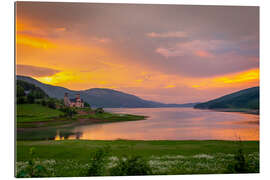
176	34
35	71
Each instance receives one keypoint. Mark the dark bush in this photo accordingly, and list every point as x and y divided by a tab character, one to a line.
242	165
21	100
99	111
86	104
43	102
98	161
30	98
68	112
20	91
51	104
33	168
134	165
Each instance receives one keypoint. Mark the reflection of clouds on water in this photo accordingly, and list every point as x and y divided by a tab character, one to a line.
175	124
163	124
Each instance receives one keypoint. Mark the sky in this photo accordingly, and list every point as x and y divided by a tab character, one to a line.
165	53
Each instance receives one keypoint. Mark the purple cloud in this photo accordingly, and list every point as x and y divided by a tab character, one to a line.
34	71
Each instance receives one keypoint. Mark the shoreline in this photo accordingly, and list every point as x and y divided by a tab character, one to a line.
247	111
68	123
71	122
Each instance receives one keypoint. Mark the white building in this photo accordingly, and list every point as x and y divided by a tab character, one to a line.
76	102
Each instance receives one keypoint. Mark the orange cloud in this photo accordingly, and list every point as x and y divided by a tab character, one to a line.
204	54
88	61
59	78
34	42
249	77
177	34
170	86
246	76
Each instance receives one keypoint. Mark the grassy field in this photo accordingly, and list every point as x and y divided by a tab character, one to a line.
35	112
71	157
36	116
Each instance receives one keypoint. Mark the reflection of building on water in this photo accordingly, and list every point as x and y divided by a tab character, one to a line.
57	137
76	102
64	135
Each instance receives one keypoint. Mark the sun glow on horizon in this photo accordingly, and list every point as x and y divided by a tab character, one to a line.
235	79
159	62
83	80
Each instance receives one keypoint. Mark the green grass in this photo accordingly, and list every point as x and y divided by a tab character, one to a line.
72	149
36	116
112	117
71	157
35	113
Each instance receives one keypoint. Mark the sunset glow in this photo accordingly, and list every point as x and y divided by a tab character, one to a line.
166	59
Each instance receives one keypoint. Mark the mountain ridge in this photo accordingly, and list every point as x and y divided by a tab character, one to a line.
101	97
245	98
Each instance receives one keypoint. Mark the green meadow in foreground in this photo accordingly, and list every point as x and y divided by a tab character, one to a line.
73	157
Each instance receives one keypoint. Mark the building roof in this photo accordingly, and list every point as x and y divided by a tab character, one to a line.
74	100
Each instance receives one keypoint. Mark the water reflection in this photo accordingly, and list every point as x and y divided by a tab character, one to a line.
60	135
167	124
176	124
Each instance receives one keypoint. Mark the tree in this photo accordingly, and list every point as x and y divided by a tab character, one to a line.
86	104
99	111
51	104
20	91
20	95
30	98
68	111
43	102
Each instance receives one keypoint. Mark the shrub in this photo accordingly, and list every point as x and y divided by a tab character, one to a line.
51	104
242	164
21	100
239	165
33	168
97	162
99	111
134	165
69	112
86	105
20	91
30	98
43	102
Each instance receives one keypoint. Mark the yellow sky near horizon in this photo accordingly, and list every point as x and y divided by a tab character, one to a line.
63	56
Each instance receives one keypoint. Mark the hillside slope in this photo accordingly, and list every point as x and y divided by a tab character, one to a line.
35	112
101	97
247	98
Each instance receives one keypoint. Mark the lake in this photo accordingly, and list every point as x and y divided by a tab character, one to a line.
172	124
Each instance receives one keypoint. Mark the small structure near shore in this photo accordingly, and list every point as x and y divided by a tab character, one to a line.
76	102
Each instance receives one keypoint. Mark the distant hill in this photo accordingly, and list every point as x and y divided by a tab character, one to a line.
101	97
247	98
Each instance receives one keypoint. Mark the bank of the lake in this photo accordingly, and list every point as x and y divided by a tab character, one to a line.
72	157
160	124
32	116
240	110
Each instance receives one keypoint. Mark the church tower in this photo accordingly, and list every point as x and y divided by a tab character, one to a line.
66	100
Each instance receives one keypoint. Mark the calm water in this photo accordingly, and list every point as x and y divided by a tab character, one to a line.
173	124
